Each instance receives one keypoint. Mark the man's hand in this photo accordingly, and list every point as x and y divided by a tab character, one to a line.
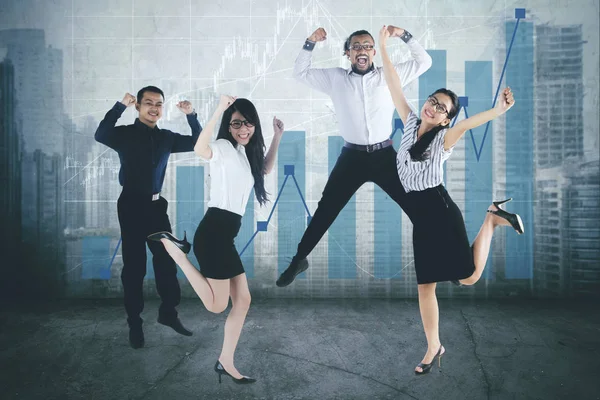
186	107
395	31
318	36
128	100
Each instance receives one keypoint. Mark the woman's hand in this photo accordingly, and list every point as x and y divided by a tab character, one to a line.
505	101
384	34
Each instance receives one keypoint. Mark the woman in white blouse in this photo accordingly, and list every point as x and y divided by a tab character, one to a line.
237	164
441	246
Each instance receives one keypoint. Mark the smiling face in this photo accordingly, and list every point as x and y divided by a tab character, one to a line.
361	53
240	128
436	108
150	108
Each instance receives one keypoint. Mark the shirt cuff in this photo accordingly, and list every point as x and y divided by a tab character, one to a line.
119	107
309	45
406	36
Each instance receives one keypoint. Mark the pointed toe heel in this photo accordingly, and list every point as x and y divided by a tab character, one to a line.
221	371
182	245
514	219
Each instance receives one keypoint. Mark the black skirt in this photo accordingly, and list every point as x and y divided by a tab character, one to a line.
214	244
441	245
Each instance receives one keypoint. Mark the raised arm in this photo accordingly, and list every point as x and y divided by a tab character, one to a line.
107	133
317	78
421	60
453	135
186	143
391	77
272	153
202	147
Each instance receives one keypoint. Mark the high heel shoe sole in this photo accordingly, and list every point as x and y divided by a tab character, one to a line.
182	245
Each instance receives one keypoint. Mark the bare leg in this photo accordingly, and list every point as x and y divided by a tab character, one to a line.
430	315
240	298
482	243
214	293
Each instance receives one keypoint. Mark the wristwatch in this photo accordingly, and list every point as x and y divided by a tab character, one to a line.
406	36
309	45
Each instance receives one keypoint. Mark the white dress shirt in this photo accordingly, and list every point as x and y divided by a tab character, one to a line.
231	179
421	175
363	103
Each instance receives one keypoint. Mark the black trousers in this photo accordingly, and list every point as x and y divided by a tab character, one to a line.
352	169
139	216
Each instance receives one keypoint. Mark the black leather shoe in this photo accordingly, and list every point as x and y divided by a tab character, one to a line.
176	324
136	337
296	267
221	371
183	245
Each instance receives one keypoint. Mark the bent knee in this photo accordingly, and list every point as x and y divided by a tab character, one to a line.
243	301
218	308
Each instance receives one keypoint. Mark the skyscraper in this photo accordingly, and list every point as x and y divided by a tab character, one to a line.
580	229
38	88
558	137
10	174
43	229
559	94
549	266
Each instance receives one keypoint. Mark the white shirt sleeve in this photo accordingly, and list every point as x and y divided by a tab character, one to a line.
320	79
218	148
411	121
412	69
442	137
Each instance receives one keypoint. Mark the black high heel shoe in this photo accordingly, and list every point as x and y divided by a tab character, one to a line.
425	368
221	371
514	219
183	245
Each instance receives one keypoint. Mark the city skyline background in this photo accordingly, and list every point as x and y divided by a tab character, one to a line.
67	62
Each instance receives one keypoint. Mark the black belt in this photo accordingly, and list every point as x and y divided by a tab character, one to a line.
141	196
369	148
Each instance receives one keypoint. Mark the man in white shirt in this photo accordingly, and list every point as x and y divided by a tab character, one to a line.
364	109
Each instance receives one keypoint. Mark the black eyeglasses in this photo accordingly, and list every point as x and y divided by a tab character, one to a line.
439	108
237	124
358	47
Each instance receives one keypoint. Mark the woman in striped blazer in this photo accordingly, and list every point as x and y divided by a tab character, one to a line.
441	247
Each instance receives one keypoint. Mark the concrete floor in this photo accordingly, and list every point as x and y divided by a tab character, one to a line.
305	349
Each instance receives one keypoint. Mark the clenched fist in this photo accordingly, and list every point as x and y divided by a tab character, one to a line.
277	126
225	101
505	101
395	31
318	36
185	106
129	99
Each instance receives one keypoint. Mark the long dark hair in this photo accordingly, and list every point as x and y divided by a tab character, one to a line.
255	149
418	149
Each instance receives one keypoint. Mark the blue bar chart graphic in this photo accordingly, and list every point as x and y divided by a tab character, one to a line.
519	147
342	233
478	163
294	215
